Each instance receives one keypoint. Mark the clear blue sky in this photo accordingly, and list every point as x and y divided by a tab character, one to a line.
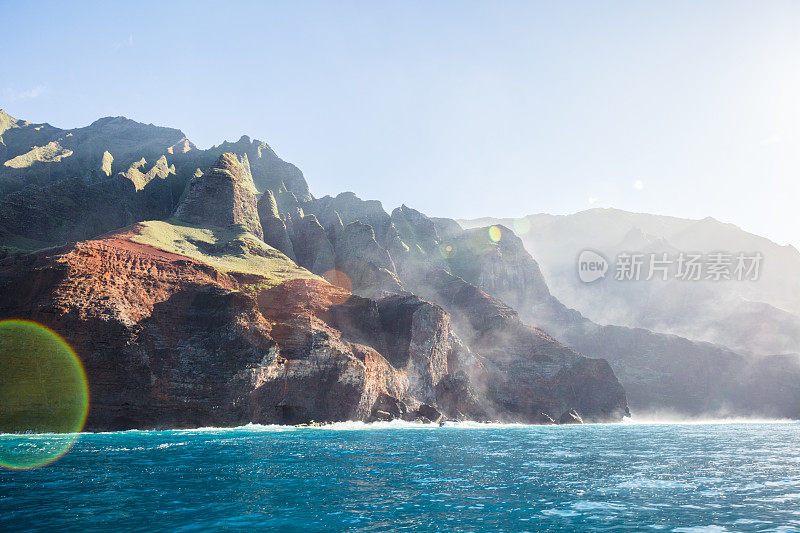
459	109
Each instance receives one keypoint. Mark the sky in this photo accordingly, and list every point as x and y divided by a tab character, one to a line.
458	109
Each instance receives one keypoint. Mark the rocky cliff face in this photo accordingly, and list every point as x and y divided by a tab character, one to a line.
172	341
223	196
524	374
530	372
269	171
367	264
273	226
312	246
213	311
439	261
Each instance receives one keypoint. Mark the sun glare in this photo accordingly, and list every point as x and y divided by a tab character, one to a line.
44	395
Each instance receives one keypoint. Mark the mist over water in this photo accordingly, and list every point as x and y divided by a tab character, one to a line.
717	476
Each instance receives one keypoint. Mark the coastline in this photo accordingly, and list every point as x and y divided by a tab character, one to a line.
405	425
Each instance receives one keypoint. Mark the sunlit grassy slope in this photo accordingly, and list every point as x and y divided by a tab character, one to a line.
52	152
226	249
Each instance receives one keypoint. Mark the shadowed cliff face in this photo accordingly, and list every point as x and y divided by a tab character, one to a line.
525	374
273	227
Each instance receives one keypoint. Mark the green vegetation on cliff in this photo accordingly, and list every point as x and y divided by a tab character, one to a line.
52	152
226	249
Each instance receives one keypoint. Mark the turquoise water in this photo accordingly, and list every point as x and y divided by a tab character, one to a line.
715	477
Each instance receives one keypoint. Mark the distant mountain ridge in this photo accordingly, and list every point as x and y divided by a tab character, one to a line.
759	317
28	149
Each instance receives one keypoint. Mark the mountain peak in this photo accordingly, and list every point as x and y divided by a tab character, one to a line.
122	128
6	121
111	120
223	196
181	147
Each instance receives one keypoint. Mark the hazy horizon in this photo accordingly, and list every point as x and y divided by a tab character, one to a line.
458	110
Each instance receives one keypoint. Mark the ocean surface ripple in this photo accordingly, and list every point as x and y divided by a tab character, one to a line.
466	477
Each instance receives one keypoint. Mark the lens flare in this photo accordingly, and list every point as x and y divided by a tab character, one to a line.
447	250
44	395
522	225
495	234
340	279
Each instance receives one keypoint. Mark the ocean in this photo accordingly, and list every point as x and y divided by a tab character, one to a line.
729	476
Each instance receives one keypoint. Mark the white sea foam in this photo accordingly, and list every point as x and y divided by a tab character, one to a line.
34	434
401	424
353	425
